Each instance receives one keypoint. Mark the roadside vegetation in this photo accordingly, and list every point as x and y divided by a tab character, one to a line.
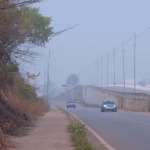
80	136
19	105
22	30
64	111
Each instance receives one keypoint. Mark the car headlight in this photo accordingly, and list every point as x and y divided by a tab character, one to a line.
105	106
114	106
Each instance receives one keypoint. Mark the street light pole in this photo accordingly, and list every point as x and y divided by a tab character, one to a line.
50	52
48	78
97	72
107	70
91	72
94	72
123	66
114	70
87	75
84	76
123	74
134	66
101	71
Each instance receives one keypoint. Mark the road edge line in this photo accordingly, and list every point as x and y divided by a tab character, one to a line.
95	134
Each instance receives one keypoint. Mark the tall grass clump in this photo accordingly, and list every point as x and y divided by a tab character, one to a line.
79	137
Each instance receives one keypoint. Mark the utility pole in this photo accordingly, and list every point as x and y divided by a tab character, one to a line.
134	66
79	79
107	70
84	76
101	71
123	74
48	68
94	72
114	69
48	78
123	67
91	72
97	72
44	82
87	75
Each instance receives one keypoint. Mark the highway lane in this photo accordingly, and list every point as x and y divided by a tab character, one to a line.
122	130
127	89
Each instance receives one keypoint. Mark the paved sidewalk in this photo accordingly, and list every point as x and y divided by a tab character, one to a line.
49	134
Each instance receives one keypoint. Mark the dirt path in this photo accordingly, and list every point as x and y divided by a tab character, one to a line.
49	134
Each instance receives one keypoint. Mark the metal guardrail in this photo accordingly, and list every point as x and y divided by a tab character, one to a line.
121	94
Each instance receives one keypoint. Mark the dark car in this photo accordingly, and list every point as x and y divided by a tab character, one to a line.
71	103
108	105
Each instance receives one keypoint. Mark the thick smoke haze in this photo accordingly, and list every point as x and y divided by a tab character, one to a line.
103	25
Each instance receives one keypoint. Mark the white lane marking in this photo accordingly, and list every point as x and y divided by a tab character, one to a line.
145	123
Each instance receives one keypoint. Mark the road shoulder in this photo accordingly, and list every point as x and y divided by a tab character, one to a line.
49	134
92	139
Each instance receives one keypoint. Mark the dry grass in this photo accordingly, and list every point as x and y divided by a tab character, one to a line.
32	107
3	142
29	108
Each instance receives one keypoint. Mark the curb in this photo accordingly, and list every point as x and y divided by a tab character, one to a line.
95	134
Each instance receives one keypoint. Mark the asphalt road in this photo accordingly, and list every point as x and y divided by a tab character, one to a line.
130	90
122	130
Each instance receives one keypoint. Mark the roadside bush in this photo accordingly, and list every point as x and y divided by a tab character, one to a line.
79	137
26	90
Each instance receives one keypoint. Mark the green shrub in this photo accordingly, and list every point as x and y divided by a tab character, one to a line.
26	90
79	137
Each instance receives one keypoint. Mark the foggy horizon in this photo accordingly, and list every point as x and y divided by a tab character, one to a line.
102	27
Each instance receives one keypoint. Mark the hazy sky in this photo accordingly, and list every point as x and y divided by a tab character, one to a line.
104	24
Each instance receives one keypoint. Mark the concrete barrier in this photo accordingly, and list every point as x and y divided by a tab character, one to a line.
131	101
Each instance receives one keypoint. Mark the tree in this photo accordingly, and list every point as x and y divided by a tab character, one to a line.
21	29
39	29
72	80
19	32
6	4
